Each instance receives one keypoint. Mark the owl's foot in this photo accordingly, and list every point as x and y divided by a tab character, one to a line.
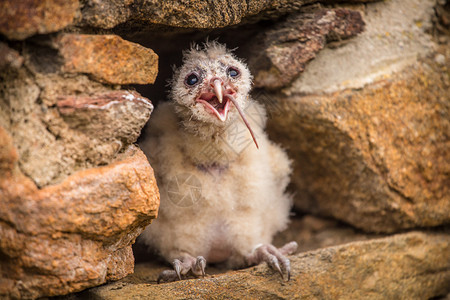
183	266
274	257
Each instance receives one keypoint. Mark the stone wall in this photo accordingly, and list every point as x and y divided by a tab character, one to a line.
357	92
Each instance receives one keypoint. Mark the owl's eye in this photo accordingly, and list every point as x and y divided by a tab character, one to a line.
192	79
233	72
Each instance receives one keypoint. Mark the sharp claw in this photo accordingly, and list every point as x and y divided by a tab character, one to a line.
274	257
274	263
201	264
287	267
177	267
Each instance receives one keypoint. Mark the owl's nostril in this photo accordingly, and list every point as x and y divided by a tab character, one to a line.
213	80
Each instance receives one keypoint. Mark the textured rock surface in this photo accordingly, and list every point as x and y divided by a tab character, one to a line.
74	192
108	58
64	122
390	41
280	54
375	158
22	19
77	234
192	14
406	266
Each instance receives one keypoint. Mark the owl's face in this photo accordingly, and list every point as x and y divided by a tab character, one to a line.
211	84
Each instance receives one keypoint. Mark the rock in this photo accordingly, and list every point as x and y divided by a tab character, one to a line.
108	58
390	42
75	193
67	237
52	144
199	14
372	157
281	54
415	265
107	116
24	18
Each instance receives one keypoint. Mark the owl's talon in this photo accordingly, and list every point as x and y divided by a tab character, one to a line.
200	264
274	257
177	267
183	266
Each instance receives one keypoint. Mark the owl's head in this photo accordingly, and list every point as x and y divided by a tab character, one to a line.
212	86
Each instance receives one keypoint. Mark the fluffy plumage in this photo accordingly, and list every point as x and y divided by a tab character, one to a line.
234	194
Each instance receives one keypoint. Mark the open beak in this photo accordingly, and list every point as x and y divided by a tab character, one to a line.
213	99
218	102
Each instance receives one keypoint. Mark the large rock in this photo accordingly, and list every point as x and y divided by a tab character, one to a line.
374	157
77	234
62	122
406	266
280	54
194	14
108	58
74	190
24	18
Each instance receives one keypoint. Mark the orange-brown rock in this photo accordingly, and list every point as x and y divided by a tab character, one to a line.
367	124
376	158
74	190
66	237
54	139
405	266
24	18
108	58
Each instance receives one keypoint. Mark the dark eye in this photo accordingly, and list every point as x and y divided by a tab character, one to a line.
192	79
233	72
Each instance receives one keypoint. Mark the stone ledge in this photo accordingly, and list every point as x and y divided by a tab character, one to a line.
415	265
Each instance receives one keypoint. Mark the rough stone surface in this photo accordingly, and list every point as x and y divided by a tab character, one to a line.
108	58
192	14
67	237
280	54
122	111
54	141
406	266
375	158
74	192
390	41
24	18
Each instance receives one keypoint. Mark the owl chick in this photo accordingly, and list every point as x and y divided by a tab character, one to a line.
222	198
